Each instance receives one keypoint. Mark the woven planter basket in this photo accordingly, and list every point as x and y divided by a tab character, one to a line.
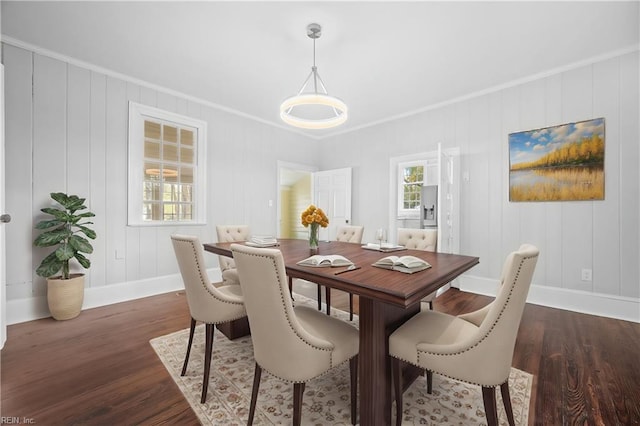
65	297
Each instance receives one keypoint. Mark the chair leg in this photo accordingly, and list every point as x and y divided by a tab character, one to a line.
396	371
208	349
353	369
298	392
350	307
186	357
490	405
506	399
254	393
429	381
319	297
327	299
291	287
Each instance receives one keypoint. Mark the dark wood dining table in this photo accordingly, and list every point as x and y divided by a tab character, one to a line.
387	299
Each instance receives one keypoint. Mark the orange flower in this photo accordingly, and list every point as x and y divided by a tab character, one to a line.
314	214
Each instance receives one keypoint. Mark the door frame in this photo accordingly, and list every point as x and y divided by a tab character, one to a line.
3	257
454	154
285	165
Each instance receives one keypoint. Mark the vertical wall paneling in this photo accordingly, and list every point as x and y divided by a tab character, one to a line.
133	264
45	125
50	166
600	235
461	123
98	176
629	176
478	167
553	211
497	154
532	215
116	179
577	216
511	211
606	227
78	133
18	171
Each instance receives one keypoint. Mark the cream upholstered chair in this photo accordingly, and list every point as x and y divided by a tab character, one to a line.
349	234
420	239
293	344
477	347
230	234
207	303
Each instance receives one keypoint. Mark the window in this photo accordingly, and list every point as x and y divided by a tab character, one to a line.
166	168
412	175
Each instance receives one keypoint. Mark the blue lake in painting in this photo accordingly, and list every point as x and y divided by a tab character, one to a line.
557	183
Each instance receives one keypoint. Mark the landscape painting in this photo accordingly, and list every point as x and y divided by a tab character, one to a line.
561	163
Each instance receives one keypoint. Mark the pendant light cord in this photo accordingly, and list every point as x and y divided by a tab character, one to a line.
315	72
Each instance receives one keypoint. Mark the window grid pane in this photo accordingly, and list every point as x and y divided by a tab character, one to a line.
169	170
413	177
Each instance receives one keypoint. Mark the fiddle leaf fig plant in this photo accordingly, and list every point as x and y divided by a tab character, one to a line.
64	231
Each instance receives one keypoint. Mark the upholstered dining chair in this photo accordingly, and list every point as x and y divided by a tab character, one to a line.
230	234
420	239
349	234
295	344
477	347
207	303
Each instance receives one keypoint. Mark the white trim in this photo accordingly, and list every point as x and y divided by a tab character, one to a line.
137	115
594	59
110	73
45	52
28	309
605	305
3	257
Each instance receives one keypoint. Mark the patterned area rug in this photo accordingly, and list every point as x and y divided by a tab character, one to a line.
326	399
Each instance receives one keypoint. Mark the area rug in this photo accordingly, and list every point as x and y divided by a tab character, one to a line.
326	399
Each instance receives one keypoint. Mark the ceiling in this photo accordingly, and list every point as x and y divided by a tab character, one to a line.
384	59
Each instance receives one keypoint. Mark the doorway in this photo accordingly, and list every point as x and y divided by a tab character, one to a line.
295	193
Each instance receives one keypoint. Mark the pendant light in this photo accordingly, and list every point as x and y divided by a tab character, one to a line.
333	111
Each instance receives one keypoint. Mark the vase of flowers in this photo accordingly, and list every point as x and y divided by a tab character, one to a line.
314	218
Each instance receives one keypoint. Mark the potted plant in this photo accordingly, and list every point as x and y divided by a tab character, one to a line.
65	292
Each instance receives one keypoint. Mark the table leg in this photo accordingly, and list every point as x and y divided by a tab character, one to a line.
377	321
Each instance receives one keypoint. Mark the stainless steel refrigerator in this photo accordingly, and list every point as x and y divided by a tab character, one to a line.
429	208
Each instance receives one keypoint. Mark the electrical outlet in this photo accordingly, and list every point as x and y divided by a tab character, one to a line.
586	275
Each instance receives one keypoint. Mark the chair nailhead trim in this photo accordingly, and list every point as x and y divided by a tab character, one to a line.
285	310
483	337
215	296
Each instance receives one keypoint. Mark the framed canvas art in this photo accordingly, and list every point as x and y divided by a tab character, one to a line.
560	163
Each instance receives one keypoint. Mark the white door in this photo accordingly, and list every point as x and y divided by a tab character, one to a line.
448	197
332	193
3	276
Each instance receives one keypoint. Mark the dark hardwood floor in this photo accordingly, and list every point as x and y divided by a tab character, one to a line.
99	368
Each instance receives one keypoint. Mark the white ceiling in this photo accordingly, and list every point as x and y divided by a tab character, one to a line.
384	59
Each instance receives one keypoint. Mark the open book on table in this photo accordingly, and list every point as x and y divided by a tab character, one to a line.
333	260
406	264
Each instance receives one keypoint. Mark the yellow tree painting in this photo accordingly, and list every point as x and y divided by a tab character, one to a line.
561	163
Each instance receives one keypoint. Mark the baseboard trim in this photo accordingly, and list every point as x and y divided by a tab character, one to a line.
604	305
617	307
28	309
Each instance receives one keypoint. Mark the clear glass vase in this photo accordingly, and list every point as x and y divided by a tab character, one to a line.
314	230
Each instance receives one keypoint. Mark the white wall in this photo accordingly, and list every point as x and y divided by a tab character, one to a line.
68	132
600	235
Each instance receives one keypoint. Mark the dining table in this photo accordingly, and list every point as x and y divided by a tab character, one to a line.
387	298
